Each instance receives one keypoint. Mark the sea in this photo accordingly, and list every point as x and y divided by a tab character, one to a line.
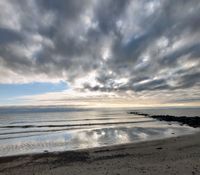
32	130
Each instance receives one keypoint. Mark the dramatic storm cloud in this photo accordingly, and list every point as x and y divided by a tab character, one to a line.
137	48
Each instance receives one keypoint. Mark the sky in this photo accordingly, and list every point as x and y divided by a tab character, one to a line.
100	52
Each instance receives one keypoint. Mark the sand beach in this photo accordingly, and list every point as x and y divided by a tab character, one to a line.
177	156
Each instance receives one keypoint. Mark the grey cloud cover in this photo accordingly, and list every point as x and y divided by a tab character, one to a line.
137	45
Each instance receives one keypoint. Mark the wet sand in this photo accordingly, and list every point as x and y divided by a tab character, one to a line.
178	155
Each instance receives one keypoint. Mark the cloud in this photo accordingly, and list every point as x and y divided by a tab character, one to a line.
107	46
8	35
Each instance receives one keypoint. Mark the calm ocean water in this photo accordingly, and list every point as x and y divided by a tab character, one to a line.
26	130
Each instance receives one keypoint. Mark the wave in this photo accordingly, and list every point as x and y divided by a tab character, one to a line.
74	120
73	125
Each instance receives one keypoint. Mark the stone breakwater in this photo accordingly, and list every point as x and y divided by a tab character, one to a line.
184	120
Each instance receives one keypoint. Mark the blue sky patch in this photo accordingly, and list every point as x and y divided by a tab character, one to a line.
8	91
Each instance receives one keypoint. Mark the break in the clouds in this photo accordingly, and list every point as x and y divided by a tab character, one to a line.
139	48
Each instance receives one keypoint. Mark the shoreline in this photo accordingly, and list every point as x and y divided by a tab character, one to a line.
79	150
175	155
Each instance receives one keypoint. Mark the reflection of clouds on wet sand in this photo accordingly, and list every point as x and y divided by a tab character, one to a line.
110	136
79	139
